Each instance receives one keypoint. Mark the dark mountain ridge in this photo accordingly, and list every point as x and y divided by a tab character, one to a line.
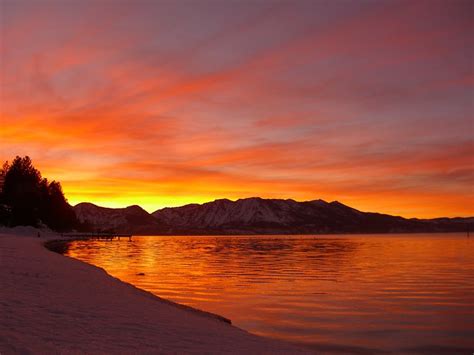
131	219
259	216
275	216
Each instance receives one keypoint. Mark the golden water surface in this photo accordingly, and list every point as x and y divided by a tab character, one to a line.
334	293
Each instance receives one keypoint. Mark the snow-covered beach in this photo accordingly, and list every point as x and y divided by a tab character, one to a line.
53	304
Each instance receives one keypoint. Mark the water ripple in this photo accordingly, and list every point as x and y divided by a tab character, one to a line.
382	292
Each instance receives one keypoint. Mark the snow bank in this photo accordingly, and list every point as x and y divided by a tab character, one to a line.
27	231
53	304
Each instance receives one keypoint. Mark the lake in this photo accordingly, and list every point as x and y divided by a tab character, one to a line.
347	293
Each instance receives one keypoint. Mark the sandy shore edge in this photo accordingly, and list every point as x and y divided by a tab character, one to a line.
50	245
52	303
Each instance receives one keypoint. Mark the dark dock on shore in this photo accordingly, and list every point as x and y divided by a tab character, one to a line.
104	236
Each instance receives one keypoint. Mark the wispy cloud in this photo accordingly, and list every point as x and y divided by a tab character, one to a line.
165	103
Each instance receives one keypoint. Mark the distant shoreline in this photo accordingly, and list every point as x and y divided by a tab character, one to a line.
269	235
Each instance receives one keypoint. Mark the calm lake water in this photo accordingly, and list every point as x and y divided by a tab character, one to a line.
364	293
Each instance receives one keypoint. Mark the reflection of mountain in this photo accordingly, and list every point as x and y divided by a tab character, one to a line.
258	216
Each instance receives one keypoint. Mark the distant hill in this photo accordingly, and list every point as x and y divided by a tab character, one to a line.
275	216
258	216
132	219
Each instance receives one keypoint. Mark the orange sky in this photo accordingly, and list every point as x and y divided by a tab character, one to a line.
166	103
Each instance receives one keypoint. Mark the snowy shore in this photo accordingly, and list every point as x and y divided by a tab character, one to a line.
53	304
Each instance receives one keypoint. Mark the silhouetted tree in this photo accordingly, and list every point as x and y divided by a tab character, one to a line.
29	199
3	172
5	210
55	211
21	192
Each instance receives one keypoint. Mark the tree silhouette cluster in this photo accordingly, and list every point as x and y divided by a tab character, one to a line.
26	198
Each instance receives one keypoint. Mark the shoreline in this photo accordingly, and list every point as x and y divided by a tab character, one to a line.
53	303
59	243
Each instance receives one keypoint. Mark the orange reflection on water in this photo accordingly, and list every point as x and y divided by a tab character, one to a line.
381	292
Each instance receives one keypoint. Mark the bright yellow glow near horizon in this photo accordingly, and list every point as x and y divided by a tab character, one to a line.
370	105
398	204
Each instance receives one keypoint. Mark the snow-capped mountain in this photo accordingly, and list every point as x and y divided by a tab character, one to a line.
132	219
257	216
266	216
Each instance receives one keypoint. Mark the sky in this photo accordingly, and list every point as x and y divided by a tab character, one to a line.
164	103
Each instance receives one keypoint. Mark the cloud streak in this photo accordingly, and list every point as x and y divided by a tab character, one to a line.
165	103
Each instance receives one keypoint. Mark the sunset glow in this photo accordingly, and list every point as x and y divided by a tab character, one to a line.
164	103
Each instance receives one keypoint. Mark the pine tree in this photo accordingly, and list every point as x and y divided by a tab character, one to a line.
28	199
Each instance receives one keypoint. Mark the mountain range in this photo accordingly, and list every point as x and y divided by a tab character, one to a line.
257	216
